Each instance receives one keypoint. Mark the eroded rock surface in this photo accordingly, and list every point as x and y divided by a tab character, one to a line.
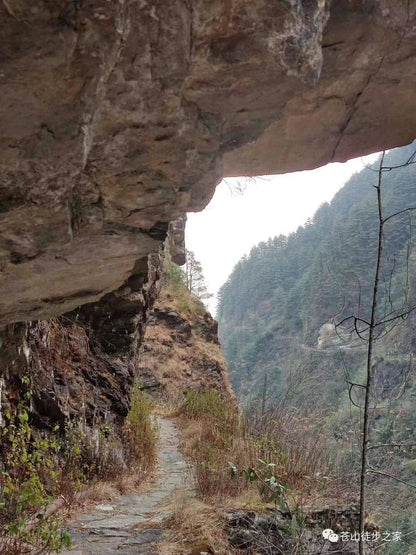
116	118
180	351
81	365
361	103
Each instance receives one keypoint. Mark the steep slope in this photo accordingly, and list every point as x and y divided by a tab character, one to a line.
276	301
82	365
181	351
277	314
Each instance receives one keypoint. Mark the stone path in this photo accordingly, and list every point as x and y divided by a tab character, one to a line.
133	523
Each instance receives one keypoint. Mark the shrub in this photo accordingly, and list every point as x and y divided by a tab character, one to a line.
176	276
140	432
35	467
213	438
288	441
211	405
227	450
85	458
29	476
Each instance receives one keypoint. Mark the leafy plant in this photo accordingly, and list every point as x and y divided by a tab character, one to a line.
28	479
176	276
270	488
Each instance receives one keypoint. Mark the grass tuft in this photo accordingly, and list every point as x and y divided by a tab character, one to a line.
141	433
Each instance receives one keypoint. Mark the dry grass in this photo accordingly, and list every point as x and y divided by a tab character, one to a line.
214	435
140	434
301	455
211	450
176	296
183	363
195	527
103	492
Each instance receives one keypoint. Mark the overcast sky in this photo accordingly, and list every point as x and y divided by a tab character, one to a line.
232	224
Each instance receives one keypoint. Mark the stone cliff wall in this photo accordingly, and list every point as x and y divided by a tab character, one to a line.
181	351
118	117
82	364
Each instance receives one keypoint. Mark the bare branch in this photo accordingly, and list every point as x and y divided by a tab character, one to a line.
381	473
369	366
403	315
392	445
410	209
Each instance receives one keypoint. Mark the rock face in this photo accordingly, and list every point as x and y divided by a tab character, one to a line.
119	117
116	118
180	351
361	103
84	363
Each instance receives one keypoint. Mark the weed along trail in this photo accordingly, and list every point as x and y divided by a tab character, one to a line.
134	523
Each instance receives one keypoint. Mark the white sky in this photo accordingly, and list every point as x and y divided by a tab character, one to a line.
232	224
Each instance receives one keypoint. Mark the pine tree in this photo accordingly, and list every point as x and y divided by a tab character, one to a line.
195	281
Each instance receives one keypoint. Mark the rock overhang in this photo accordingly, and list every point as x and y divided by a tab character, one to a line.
118	118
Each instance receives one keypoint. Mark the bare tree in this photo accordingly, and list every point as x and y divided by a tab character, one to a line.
371	330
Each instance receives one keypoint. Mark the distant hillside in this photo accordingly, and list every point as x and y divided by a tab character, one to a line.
277	316
272	307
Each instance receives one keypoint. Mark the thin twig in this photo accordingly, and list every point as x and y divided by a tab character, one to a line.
381	473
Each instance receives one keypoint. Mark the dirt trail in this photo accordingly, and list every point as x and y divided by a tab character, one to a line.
133	523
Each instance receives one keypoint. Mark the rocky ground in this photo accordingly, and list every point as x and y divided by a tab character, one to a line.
134	523
138	523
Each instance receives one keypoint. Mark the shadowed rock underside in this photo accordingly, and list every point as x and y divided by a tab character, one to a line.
119	117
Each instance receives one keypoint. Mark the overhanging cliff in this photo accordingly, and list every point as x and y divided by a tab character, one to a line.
118	117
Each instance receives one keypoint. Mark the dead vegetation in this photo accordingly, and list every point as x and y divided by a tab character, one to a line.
243	463
183	354
215	435
195	527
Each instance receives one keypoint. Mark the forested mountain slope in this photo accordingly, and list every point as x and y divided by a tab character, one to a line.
291	346
274	304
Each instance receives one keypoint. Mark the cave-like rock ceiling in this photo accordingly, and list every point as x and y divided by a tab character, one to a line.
117	117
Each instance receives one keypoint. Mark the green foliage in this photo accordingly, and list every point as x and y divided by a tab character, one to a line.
185	298
274	304
195	281
36	467
270	489
141	432
211	405
84	458
288	287
176	276
220	438
30	475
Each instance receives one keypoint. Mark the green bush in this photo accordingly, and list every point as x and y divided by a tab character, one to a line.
141	432
29	477
85	459
35	467
209	404
176	276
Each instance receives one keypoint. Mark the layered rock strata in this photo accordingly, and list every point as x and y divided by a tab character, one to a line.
118	117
